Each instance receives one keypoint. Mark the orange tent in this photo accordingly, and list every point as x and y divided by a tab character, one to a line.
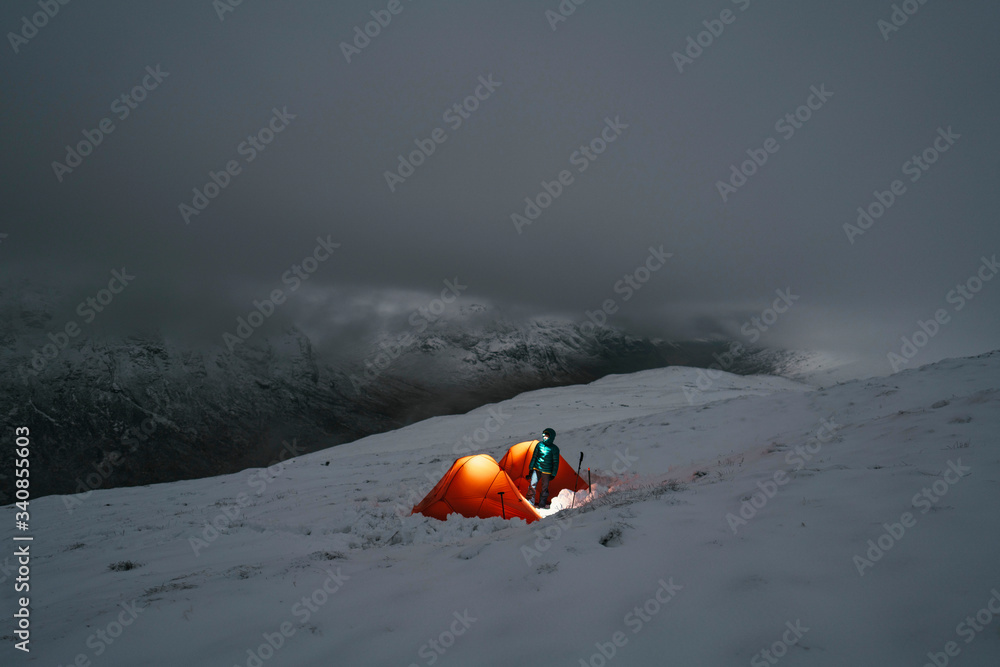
471	487
515	463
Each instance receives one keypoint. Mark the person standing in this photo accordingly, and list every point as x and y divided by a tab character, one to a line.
544	465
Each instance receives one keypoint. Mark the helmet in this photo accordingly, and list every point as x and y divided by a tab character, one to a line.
549	432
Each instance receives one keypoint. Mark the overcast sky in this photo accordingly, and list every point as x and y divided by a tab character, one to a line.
883	101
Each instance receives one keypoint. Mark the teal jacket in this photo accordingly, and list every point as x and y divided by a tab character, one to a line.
545	459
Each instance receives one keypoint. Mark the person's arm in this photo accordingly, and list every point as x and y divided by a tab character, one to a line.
555	461
534	459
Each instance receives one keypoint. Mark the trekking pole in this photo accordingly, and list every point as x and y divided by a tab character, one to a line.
578	465
502	510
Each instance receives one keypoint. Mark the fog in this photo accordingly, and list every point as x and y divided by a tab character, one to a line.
231	149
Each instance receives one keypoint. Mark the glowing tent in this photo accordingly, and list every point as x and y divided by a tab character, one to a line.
472	488
515	463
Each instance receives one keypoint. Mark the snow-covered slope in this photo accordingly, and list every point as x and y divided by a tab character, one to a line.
745	514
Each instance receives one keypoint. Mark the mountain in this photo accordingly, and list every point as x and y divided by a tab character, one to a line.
139	409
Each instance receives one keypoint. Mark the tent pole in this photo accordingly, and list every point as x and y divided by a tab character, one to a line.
578	465
502	510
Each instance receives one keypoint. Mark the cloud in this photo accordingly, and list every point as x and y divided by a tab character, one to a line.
657	183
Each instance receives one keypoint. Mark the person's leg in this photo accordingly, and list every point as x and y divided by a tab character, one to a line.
544	484
532	486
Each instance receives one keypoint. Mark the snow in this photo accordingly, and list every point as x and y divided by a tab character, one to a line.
651	570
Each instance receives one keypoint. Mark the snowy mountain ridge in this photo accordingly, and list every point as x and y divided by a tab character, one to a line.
141	409
847	499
